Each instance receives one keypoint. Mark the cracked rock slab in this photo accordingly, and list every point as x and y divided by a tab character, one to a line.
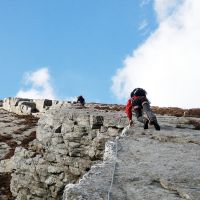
146	169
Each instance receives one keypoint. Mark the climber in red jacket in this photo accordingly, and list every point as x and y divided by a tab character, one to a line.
139	103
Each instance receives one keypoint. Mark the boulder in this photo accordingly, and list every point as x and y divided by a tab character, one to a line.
12	104
43	104
26	108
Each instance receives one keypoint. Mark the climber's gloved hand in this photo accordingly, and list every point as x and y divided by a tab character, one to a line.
131	122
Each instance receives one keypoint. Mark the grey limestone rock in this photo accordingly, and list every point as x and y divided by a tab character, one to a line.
27	106
19	105
68	142
83	151
147	165
4	149
43	104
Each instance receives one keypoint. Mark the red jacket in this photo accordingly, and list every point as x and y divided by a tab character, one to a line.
129	105
128	109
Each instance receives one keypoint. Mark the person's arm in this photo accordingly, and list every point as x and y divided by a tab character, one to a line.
129	111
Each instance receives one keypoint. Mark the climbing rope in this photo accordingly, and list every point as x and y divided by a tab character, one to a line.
123	134
114	168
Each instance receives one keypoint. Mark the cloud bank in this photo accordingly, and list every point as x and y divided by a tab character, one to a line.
40	86
167	64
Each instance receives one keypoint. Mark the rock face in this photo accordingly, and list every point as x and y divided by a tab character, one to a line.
146	165
22	106
65	154
14	131
19	106
68	142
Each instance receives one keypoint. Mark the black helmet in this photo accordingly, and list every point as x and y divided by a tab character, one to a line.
138	92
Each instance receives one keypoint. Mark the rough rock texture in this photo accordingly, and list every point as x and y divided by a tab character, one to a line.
71	138
19	106
33	106
14	131
178	112
146	165
68	142
22	106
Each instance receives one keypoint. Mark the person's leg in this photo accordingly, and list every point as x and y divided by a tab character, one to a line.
141	118
151	116
147	109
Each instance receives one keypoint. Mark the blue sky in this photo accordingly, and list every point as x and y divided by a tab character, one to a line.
81	43
101	49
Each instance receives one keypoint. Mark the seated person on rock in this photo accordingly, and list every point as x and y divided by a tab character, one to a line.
80	100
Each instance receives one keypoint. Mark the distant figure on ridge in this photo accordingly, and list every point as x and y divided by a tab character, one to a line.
81	100
139	103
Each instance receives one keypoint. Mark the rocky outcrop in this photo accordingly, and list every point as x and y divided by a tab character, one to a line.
22	106
19	106
14	131
145	165
32	106
69	141
68	147
178	112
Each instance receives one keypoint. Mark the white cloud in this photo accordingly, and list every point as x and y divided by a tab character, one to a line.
165	8
143	25
167	63
40	85
144	2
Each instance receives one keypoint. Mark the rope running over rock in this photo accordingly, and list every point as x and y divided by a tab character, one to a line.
114	168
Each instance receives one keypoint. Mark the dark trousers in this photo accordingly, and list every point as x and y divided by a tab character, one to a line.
147	110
